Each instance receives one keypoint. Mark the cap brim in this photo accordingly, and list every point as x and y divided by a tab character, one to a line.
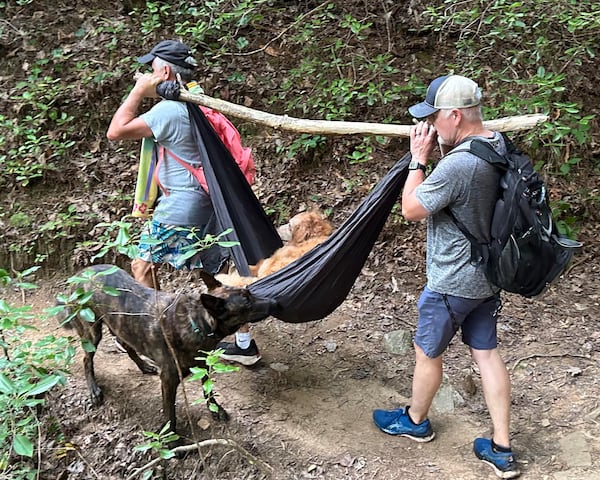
422	110
145	59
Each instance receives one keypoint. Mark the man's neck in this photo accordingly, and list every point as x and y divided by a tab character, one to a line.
475	131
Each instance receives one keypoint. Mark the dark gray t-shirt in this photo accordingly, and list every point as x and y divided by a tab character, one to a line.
187	203
470	187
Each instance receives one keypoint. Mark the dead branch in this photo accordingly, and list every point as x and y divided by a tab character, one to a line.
325	127
546	355
265	467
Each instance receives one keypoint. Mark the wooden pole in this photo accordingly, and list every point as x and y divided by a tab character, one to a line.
326	127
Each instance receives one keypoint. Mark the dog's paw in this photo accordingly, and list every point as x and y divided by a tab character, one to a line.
148	368
220	415
97	396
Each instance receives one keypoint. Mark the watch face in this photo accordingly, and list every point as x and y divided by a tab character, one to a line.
414	165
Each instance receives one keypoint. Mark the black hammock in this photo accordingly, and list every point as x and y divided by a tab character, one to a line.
317	283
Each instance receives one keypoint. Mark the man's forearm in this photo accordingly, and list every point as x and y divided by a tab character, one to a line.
126	113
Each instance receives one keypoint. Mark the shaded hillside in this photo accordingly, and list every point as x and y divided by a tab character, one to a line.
67	66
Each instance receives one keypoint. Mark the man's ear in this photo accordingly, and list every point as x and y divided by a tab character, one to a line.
457	115
166	72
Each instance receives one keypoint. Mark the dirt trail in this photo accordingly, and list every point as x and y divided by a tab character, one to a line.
306	408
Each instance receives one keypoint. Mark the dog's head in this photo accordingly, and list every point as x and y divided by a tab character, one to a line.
308	225
231	307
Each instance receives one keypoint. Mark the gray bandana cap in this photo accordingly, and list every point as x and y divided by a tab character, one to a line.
447	92
171	51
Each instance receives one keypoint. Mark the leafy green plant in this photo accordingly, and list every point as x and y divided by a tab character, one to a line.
77	303
39	135
121	237
203	243
206	375
28	370
158	442
62	223
215	23
118	236
302	145
544	41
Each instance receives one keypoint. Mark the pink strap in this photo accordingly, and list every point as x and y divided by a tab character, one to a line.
197	172
161	155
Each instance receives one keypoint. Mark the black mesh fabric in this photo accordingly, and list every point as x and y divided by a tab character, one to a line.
233	200
313	286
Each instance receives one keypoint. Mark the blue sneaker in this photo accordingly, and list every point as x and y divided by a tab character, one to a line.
504	464
397	422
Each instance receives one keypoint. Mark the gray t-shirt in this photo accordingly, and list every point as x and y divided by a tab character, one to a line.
187	204
469	186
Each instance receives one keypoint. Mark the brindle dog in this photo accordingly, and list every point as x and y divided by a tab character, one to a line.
141	318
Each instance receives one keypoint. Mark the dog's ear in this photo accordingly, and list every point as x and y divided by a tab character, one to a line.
214	305
209	280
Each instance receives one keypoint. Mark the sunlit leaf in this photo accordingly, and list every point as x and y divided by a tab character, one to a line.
22	446
87	314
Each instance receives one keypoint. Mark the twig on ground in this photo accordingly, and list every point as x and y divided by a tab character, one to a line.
548	355
265	467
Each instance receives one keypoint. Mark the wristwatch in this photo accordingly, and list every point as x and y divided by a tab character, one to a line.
414	165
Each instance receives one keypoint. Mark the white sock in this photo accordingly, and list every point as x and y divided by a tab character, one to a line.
242	339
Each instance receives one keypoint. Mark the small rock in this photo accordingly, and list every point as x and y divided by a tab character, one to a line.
279	367
204	423
397	342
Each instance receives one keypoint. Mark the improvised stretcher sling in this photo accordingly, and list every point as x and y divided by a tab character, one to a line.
314	285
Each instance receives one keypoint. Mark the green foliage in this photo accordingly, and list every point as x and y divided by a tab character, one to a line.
28	370
41	133
78	302
206	374
363	152
216	23
159	442
61	224
303	144
280	211
119	236
547	42
204	243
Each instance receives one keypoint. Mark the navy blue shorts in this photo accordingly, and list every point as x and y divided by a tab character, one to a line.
441	316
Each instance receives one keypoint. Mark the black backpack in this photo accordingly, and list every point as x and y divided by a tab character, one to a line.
526	252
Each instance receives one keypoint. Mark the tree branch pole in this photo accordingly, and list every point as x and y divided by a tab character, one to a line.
327	127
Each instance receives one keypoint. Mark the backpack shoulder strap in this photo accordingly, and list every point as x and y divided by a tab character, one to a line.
485	151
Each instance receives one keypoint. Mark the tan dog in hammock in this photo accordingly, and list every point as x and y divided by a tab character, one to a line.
307	230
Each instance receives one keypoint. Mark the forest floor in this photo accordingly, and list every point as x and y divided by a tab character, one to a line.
305	408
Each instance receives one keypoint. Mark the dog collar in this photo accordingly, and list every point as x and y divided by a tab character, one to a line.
196	329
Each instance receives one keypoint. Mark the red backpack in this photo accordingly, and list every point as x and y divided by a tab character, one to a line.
232	141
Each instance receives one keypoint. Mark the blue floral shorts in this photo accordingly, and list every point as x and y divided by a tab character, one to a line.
172	244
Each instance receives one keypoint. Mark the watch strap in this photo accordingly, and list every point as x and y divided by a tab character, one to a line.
417	166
